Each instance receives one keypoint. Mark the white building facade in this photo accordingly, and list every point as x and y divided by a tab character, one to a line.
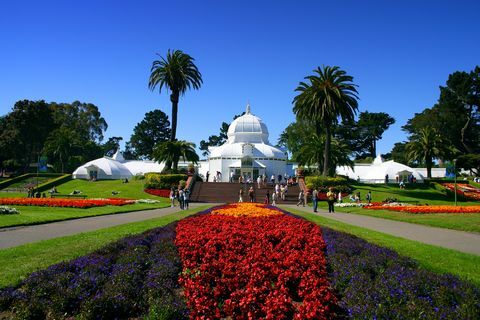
247	153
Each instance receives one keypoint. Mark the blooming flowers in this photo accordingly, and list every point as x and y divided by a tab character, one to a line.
61	202
465	190
164	193
428	209
8	210
253	265
246	209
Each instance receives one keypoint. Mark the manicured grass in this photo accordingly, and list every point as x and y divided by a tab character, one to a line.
104	188
100	189
18	262
464	222
436	259
30	215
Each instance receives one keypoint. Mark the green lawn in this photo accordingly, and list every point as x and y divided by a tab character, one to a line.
18	262
100	189
437	259
422	194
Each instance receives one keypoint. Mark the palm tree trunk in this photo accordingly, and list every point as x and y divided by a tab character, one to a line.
326	153
428	163
174	99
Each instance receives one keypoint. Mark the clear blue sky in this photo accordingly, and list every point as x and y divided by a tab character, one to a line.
101	52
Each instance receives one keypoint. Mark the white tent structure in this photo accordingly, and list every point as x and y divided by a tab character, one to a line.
102	168
378	170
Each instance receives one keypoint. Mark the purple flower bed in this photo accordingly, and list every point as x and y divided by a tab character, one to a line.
373	282
133	277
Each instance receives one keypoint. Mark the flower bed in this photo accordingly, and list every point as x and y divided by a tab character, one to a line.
464	189
8	210
61	202
372	282
131	278
164	193
261	265
427	209
247	209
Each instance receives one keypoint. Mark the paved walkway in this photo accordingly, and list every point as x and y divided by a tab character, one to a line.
15	236
457	240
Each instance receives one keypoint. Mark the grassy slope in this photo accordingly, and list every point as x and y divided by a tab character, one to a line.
18	262
430	257
421	193
99	189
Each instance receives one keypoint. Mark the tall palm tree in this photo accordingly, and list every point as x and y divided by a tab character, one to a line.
173	151
426	146
328	95
175	73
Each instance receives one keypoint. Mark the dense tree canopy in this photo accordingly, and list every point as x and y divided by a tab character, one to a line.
174	151
456	115
153	129
68	133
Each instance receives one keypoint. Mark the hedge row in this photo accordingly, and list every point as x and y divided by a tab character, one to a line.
163	181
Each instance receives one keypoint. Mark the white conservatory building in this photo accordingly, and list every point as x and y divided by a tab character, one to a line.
247	152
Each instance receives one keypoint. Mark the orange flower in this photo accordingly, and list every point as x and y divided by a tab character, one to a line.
247	210
428	209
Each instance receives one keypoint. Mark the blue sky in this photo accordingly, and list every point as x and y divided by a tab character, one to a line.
398	52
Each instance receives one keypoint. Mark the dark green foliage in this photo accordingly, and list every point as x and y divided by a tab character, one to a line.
469	162
322	183
162	181
171	152
328	95
176	73
153	129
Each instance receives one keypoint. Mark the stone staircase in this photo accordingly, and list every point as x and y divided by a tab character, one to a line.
228	192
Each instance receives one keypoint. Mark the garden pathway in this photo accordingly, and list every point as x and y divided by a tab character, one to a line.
15	236
452	239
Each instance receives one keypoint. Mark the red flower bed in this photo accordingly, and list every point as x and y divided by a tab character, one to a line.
428	209
464	189
61	202
165	193
244	267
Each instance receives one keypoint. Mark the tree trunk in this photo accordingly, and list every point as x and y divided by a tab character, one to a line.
463	131
374	148
318	131
326	153
428	162
174	99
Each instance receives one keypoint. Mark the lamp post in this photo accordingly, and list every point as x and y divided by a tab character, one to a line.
455	179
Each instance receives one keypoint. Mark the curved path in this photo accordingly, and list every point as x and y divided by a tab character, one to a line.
452	239
16	236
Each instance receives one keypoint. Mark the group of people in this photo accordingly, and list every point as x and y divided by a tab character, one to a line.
216	178
31	193
251	195
181	195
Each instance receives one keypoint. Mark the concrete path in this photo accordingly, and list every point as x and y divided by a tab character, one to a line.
457	240
15	236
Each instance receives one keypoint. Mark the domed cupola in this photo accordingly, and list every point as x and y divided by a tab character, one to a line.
248	128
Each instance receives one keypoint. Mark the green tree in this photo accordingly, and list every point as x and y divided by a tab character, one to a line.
327	95
111	146
62	144
427	146
470	162
173	151
371	126
456	115
153	129
215	140
176	73
399	154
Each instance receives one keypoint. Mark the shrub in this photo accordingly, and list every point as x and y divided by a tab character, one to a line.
162	181
322	183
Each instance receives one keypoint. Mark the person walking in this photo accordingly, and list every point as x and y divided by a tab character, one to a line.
267	197
274	199
272	179
259	182
240	195
207	175
369	196
315	199
186	198
251	194
180	198
330	200
301	198
340	200
231	176
172	197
